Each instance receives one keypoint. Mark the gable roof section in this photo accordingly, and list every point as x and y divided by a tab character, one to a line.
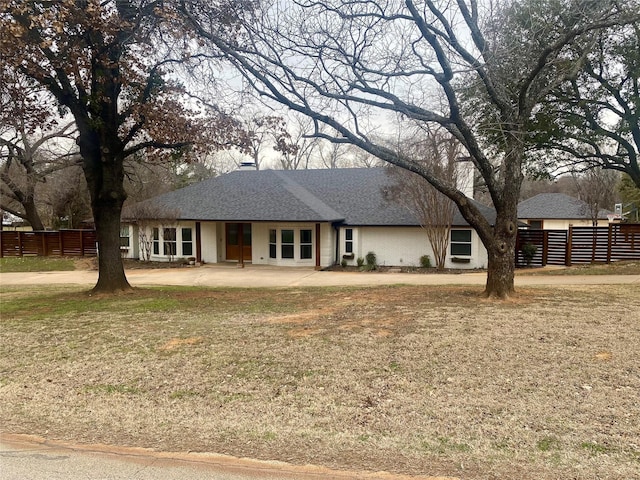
555	206
352	196
306	197
245	196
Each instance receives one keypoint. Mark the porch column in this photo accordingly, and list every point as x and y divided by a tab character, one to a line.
241	245
198	243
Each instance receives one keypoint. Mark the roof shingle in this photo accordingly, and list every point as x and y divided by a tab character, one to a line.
353	196
555	206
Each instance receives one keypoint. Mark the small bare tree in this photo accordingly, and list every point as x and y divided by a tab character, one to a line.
298	148
147	215
597	188
434	210
66	199
262	134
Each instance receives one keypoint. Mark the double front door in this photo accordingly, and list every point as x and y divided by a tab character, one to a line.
238	237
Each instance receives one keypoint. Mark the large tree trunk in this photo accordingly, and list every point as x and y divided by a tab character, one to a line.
105	175
501	268
111	277
501	246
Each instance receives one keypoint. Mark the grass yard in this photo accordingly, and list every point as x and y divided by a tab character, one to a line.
415	380
36	264
629	267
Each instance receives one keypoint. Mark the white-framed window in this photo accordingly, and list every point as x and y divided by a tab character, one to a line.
172	241
287	243
187	242
306	244
125	241
291	243
169	241
348	240
155	234
460	243
273	243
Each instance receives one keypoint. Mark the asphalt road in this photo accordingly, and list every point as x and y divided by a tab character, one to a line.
31	458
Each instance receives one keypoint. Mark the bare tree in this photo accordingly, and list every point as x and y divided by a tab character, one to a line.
349	64
357	157
630	194
25	164
331	155
147	216
340	155
33	145
535	186
65	199
440	153
597	188
301	146
262	136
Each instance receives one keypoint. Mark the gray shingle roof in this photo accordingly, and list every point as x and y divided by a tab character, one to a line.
555	206
354	196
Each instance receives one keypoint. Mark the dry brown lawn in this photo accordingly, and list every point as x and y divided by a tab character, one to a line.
415	380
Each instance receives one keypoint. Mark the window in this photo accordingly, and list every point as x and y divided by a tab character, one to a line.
306	244
287	243
156	241
124	236
535	224
292	243
348	240
246	234
461	242
169	241
187	242
273	247
232	234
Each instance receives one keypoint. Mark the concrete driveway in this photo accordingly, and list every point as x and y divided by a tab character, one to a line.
265	276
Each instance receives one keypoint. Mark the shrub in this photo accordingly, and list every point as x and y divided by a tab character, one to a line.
343	263
372	261
528	252
360	261
425	261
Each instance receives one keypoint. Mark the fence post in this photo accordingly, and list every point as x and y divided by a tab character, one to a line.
20	243
545	247
569	246
609	242
81	232
60	236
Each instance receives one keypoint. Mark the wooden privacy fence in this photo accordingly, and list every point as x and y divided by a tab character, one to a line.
75	243
579	245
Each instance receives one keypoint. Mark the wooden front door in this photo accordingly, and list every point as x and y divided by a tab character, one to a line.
238	241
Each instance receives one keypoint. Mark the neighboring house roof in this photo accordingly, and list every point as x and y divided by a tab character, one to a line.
556	206
353	196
